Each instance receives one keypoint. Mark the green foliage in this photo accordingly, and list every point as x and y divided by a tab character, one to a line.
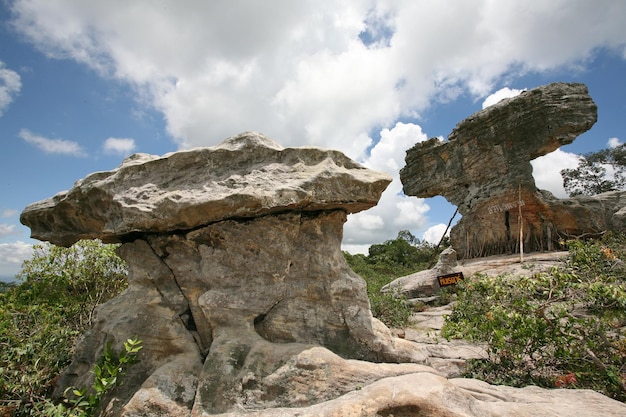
559	328
41	317
402	255
590	177
107	373
387	261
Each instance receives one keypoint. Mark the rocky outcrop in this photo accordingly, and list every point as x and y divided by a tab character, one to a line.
423	287
235	266
484	169
241	295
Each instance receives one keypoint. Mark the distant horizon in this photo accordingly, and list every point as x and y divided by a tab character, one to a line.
8	278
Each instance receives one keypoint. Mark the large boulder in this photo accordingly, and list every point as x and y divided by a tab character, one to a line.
425	284
484	169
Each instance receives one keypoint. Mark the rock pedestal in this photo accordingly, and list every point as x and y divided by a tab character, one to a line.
235	266
484	169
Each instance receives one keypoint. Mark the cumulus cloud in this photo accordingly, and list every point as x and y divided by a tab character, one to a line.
500	95
6	229
319	72
11	257
394	211
52	146
10	86
121	146
613	142
313	71
434	233
547	171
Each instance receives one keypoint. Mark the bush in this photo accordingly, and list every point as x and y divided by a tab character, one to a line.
107	375
40	318
392	311
386	262
554	329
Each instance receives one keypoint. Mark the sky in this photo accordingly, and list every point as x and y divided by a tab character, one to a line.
85	83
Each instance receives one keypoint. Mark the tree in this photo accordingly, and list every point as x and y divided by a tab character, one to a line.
405	252
597	172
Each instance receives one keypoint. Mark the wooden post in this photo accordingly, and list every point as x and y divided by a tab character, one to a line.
521	226
549	233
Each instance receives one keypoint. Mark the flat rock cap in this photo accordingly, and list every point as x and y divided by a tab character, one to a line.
246	176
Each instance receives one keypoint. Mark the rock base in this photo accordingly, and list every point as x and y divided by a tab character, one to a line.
222	307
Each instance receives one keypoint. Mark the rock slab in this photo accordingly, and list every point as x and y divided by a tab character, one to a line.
246	176
425	284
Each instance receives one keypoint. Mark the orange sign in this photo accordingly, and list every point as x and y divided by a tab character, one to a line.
450	279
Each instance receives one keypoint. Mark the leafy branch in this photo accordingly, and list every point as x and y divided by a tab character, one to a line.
106	372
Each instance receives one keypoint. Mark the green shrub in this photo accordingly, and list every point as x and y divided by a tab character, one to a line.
560	328
386	262
107	374
392	311
41	317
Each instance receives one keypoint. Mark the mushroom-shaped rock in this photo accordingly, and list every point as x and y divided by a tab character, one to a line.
235	266
246	176
484	168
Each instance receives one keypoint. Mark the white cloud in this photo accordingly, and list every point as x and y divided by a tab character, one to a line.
547	171
299	72
10	86
11	257
613	142
6	229
122	146
8	213
354	249
53	146
434	233
501	94
394	211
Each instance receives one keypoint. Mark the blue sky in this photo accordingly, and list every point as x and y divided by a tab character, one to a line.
83	84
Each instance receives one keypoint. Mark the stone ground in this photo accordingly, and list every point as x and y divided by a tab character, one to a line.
449	357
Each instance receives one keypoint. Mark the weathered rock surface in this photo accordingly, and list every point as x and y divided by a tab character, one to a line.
427	394
484	169
245	176
235	266
242	298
